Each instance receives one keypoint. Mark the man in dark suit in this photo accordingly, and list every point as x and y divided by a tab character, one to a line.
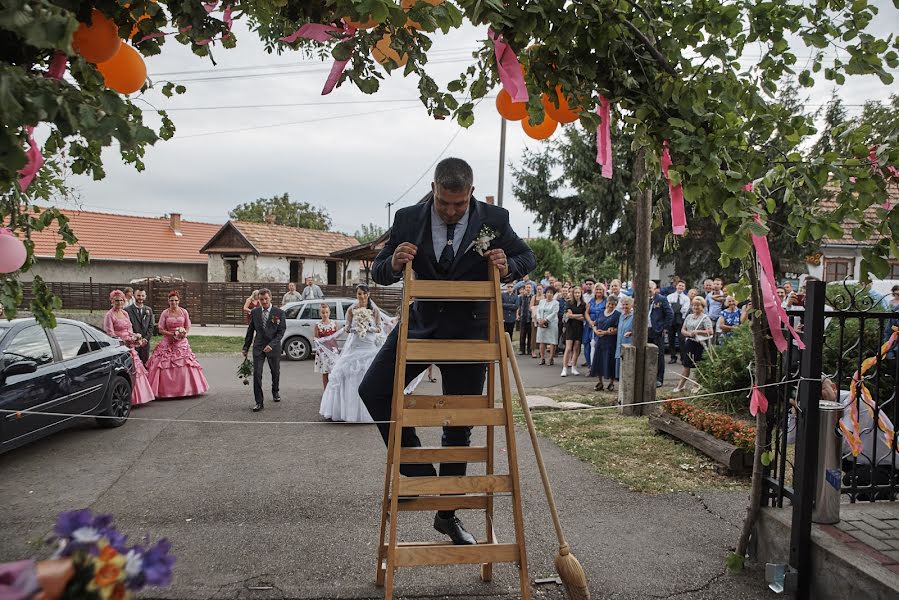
438	237
660	318
510	309
264	333
142	322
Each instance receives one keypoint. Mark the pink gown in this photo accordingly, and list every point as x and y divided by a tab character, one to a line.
174	369
141	392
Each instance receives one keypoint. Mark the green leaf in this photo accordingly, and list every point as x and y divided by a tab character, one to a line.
767	458
735	563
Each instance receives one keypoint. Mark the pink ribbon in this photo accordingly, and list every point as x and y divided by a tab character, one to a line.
35	161
604	137
509	68
323	33
774	311
757	402
676	192
58	65
210	6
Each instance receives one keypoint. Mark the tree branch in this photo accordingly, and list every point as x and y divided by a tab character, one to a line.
660	59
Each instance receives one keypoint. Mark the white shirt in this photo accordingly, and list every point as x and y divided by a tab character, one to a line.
684	300
438	231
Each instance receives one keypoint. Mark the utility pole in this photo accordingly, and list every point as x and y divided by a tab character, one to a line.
643	200
502	161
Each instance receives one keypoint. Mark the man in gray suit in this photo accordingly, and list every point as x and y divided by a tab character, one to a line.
264	333
142	322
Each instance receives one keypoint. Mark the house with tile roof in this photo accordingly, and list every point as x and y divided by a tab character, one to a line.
265	252
123	248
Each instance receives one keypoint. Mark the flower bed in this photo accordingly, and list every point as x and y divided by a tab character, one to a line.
727	429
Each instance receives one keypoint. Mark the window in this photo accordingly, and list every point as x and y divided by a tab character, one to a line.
94	341
231	264
29	344
837	269
296	267
894	270
313	310
71	341
293	311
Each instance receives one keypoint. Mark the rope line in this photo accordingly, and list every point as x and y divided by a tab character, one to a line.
22	413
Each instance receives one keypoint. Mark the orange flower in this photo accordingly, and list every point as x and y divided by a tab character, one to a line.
108	553
118	592
107	575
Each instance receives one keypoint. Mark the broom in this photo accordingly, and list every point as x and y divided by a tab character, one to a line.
574	580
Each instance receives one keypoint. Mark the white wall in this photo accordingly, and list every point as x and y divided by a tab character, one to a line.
276	269
111	271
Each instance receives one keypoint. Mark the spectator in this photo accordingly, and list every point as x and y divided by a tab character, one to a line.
707	286
595	307
782	296
251	303
523	310
547	319
729	320
660	318
625	330
788	287
697	331
605	329
535	302
574	330
562	299
892	303
292	294
680	304
129	296
715	300
510	308
547	279
589	283
312	291
615	290
746	311
523	282
672	286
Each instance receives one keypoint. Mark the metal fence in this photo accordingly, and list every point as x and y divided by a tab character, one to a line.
208	303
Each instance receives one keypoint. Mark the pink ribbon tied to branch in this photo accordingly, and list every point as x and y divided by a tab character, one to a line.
604	137
35	159
323	33
676	192
509	68
757	402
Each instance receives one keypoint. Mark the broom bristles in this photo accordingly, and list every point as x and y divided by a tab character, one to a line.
574	580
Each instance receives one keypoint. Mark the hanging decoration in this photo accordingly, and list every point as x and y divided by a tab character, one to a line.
12	252
604	137
757	402
99	41
508	109
325	33
676	192
563	113
541	131
510	71
382	52
126	72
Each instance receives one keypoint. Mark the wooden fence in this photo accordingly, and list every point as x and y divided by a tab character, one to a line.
208	303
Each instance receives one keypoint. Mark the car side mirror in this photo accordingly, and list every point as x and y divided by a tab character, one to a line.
22	367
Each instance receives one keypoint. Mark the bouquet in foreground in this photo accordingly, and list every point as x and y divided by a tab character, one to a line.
92	562
180	333
245	371
135	340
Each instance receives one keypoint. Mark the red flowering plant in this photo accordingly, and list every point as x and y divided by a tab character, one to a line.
723	427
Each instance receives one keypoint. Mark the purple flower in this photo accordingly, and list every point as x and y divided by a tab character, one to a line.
80	530
68	522
158	564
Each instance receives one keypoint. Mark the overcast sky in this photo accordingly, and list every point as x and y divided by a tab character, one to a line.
348	152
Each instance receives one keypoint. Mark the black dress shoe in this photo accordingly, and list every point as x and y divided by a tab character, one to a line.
452	527
277	398
257	408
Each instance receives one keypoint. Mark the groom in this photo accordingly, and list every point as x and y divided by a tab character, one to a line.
265	331
437	237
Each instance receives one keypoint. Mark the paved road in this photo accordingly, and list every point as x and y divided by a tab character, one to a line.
259	510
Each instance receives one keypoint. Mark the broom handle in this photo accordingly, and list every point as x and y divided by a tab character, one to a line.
523	400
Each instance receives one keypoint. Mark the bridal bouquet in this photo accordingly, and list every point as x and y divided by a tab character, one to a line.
180	333
363	321
245	371
135	340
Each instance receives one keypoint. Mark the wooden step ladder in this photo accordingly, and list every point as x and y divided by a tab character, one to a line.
451	493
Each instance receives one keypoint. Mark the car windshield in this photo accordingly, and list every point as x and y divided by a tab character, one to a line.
3	330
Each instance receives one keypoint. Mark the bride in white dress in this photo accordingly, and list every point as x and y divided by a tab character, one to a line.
341	401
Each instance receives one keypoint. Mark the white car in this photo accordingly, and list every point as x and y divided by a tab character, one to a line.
301	319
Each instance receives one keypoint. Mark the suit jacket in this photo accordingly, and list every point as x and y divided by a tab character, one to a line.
270	333
142	321
451	320
661	314
510	307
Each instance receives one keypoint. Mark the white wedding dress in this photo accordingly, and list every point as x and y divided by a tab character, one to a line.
341	401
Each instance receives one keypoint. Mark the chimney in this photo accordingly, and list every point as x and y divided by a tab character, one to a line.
175	223
490	200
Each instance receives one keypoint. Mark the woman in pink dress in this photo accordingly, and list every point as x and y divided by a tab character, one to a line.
174	369
117	324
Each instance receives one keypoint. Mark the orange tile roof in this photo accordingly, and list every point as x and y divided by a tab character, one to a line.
281	240
830	204
124	237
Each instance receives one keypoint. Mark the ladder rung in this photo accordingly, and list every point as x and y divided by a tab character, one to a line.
474	417
452	290
444	454
471	484
451	350
444	503
449	554
431	402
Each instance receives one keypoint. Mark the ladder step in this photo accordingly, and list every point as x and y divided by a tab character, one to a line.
471	484
431	402
444	503
452	290
470	454
451	350
449	554
454	417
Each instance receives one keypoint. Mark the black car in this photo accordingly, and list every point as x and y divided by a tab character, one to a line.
73	369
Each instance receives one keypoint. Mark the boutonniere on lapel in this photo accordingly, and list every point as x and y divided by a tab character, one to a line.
276	319
482	242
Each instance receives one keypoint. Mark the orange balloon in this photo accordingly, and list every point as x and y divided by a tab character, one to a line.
564	113
360	24
135	29
382	52
125	72
511	111
99	41
541	131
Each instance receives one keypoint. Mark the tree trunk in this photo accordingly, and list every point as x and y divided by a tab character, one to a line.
760	349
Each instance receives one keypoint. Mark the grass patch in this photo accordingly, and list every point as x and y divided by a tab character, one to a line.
627	450
211	344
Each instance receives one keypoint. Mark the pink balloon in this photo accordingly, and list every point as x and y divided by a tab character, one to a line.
12	252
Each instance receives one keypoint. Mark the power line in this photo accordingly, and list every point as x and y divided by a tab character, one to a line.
314	103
